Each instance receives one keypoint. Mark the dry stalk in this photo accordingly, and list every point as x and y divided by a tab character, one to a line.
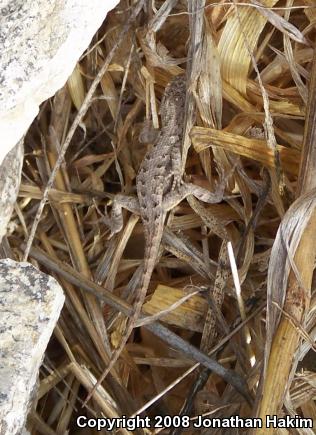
286	339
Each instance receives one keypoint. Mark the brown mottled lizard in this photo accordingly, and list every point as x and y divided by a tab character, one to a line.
159	189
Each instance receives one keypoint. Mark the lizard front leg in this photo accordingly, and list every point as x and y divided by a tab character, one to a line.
115	222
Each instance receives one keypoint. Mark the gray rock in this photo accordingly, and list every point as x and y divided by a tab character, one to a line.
30	304
40	42
10	176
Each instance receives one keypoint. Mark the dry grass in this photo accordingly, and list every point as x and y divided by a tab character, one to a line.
251	110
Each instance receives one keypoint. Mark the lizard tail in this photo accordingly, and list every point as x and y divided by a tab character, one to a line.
151	254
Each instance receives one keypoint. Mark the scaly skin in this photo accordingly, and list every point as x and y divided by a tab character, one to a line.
154	180
159	189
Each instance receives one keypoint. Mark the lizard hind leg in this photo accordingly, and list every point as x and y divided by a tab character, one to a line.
115	221
175	197
185	189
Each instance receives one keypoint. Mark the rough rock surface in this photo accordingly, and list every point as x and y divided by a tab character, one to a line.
30	305
10	176
41	42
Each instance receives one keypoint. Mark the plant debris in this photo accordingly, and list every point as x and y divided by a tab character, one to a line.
209	342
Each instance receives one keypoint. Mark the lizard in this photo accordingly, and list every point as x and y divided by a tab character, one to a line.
159	188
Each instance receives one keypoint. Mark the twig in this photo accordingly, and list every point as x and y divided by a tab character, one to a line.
156	328
81	113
